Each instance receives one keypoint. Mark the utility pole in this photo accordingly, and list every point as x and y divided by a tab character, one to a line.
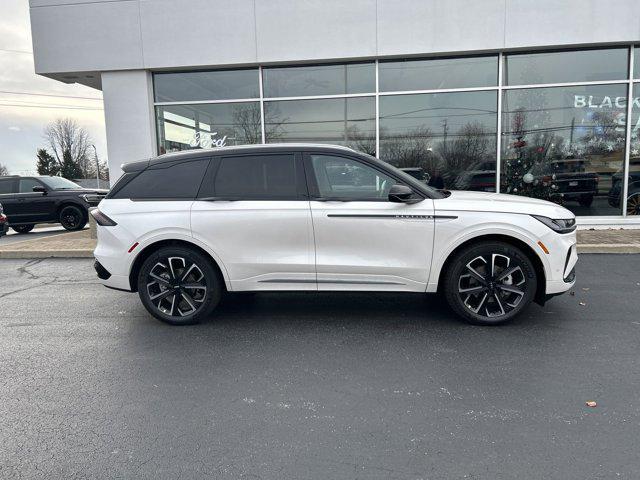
95	153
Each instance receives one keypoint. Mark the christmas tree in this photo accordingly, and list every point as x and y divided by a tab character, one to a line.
525	169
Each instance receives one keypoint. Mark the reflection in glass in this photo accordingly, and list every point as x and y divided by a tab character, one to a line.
569	66
636	62
341	121
184	127
319	80
633	191
438	73
565	144
203	86
447	140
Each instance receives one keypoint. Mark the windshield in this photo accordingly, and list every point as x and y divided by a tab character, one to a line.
59	183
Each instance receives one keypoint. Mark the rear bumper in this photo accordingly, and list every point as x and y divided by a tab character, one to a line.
118	282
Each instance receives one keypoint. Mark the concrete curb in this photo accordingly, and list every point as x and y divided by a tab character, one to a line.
24	254
609	248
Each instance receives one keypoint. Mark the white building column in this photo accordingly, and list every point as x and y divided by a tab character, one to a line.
129	118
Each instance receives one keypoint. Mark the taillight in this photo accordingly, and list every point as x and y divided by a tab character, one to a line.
101	219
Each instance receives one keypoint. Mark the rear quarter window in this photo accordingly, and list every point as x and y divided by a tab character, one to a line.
179	181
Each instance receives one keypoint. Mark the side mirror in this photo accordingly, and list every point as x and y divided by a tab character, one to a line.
402	194
40	189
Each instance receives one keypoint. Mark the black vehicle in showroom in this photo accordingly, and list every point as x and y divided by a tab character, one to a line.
31	200
633	194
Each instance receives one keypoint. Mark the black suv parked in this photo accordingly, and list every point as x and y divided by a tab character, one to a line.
31	200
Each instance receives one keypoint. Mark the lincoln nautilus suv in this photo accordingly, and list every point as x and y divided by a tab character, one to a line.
184	228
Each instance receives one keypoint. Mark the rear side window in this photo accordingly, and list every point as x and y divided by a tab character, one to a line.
257	177
6	186
175	182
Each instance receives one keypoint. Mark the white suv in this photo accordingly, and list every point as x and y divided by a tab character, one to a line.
183	228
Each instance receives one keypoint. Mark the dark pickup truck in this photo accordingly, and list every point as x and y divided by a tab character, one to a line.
573	181
31	200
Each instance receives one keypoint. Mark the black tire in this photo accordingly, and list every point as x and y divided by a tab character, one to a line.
163	286
483	298
585	200
23	228
72	218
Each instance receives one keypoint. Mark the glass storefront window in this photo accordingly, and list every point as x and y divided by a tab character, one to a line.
445	139
203	86
319	80
636	62
567	66
633	192
341	121
184	127
439	73
565	144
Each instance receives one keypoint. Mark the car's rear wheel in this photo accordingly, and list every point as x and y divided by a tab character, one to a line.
633	204
22	228
72	218
179	286
490	283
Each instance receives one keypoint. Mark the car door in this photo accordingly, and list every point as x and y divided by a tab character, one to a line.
33	206
363	240
253	211
8	198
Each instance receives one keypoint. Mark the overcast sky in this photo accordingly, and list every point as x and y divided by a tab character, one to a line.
23	114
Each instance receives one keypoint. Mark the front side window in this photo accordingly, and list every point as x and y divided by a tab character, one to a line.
27	184
257	177
179	181
345	178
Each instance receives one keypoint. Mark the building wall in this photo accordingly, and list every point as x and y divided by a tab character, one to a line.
151	34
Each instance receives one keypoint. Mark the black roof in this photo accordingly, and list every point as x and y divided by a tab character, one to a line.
260	148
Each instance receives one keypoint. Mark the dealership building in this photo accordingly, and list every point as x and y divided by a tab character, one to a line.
516	96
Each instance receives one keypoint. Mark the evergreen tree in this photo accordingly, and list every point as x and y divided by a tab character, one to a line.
46	165
70	169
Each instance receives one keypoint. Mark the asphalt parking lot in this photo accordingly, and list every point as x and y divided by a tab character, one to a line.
322	386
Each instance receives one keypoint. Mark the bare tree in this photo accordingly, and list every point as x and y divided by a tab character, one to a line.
69	142
3	170
247	118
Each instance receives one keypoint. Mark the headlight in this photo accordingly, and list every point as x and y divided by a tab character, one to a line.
562	225
92	198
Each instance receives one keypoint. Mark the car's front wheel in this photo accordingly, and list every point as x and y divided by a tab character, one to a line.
179	285
22	228
633	203
490	283
72	218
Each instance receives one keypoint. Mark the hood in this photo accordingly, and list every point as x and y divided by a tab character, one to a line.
499	202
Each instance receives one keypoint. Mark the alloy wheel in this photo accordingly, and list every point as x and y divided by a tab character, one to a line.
70	218
491	285
633	204
176	286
